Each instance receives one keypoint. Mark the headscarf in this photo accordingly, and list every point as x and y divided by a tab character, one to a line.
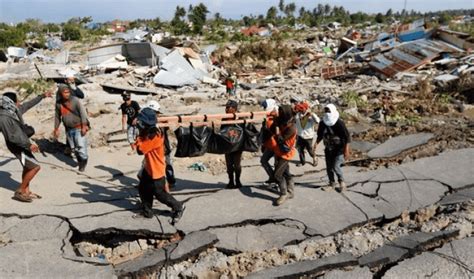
330	118
9	106
270	105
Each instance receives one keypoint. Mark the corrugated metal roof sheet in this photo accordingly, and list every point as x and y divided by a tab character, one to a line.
409	56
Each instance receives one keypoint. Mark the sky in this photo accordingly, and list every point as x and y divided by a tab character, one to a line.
13	11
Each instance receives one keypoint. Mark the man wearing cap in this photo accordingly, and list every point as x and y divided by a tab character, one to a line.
130	110
72	114
306	124
170	178
150	143
233	159
17	140
271	106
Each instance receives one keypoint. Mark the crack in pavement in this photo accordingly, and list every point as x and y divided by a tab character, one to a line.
356	206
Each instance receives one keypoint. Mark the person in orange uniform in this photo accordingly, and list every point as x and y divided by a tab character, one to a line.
151	144
271	106
283	145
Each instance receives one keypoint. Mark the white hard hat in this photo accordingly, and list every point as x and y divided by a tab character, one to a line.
154	105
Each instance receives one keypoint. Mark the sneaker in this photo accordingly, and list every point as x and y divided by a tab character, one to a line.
177	215
342	186
281	199
230	185
329	187
269	182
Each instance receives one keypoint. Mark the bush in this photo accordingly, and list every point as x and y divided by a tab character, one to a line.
12	36
71	32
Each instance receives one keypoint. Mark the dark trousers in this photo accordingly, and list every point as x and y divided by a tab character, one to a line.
283	175
169	170
334	163
264	161
233	164
149	188
302	145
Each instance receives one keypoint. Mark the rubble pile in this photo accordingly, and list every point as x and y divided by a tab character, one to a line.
358	241
405	93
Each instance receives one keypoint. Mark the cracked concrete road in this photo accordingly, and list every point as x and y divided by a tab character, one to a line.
104	198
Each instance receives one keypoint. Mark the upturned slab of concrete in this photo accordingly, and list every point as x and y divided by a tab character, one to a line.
397	145
453	260
454	168
402	247
303	268
356	273
258	237
458	197
38	247
153	260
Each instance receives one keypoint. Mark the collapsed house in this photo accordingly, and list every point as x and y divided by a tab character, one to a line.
405	49
176	67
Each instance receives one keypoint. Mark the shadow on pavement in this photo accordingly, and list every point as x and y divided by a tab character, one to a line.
56	149
118	175
126	198
6	181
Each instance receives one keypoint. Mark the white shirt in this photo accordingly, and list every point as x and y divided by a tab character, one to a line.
308	131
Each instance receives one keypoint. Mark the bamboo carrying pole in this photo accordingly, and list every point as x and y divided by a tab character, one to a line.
210	119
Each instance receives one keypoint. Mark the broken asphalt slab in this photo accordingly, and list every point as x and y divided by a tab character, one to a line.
397	145
305	268
453	260
38	247
153	260
357	272
258	237
460	196
403	247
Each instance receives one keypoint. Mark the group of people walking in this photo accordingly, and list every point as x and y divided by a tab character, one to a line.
290	128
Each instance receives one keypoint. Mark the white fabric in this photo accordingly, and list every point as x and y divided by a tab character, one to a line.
271	105
330	118
154	105
308	131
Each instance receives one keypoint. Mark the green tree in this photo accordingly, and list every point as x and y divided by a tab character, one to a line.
290	9
281	6
389	13
444	18
179	27
327	9
11	36
272	14
71	32
379	18
50	28
197	15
